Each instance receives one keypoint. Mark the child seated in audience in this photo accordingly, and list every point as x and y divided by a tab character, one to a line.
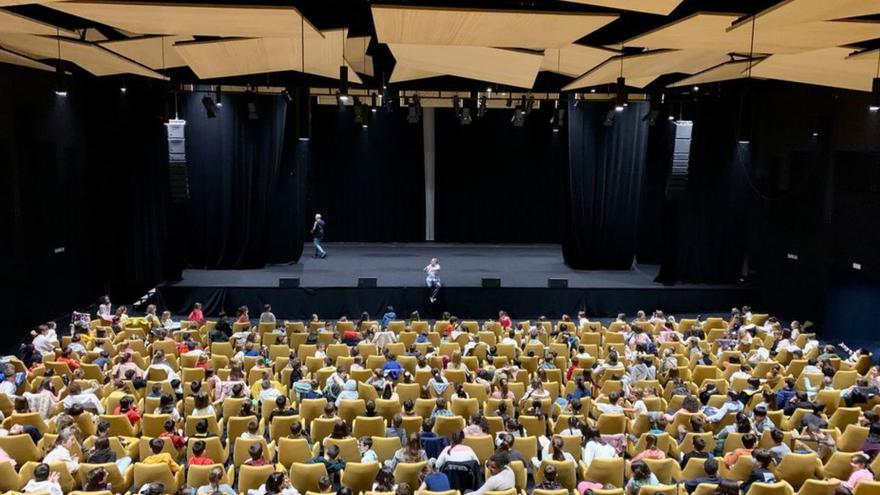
365	446
255	451
331	460
158	456
43	481
549	482
198	458
171	431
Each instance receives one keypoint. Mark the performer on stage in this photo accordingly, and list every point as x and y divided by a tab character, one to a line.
433	280
318	236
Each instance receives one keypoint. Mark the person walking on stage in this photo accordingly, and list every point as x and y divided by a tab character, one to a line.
318	236
433	280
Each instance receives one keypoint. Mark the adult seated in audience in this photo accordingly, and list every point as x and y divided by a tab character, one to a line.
502	477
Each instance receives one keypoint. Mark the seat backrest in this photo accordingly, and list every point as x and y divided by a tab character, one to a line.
304	477
291	450
606	471
359	477
408	472
149	473
797	468
251	477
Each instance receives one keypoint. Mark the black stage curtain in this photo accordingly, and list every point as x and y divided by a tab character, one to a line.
84	191
244	172
605	176
497	183
368	183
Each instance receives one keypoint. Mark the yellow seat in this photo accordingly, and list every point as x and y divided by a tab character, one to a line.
465	407
280	426
241	446
666	470
447	425
152	425
778	488
818	487
359	476
386	447
149	473
368	427
867	487
9	479
348	448
612	424
409	472
197	475
566	472
304	477
291	450
852	438
214	426
605	471
120	425
705	489
21	448
251	477
797	468
214	449
844	416
655	489
837	465
350	409
693	469
483	446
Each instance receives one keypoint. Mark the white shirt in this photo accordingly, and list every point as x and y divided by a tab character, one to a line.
44	345
609	408
432	270
8	388
61	454
596	450
86	399
504	480
34	486
457	453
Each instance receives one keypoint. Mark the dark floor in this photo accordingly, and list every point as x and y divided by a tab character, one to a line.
400	265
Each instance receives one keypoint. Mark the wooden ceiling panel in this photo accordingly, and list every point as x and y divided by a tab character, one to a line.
92	58
8	57
574	60
9	3
511	67
402	73
825	67
156	52
11	22
241	56
711	31
649	64
191	19
659	7
356	55
503	29
724	72
790	12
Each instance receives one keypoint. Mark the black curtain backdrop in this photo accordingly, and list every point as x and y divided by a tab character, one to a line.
368	183
605	176
246	180
84	194
497	183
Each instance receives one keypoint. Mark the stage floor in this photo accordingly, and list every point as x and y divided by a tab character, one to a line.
400	265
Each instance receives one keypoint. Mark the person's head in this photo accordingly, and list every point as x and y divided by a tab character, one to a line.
428	425
727	487
202	426
385	479
95	479
550	472
324	483
198	448
215	476
749	440
557	448
102	443
202	401
255	451
275	483
157	445
498	462
365	443
41	472
640	470
332	452
340	429
699	444
440	404
650	441
66	439
414	443
252	427
711	466
403	489
344	491
762	457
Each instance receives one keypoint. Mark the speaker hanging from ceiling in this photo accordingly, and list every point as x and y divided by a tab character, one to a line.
676	181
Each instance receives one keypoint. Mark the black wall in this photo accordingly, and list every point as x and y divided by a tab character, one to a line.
87	173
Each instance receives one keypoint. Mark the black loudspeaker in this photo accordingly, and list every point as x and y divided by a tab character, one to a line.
676	183
557	283
288	283
367	282
178	183
491	283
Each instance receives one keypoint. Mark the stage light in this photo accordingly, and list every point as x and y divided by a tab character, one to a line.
875	95
592	90
481	106
342	93
558	119
253	111
218	96
285	93
456	105
696	88
414	111
123	90
210	107
621	97
815	134
670	118
361	114
609	118
60	86
489	89
373	106
465	118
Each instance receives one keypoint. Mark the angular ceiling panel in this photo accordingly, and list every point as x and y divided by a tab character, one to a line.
789	12
11	22
825	67
488	28
659	7
402	73
206	20
356	55
156	52
8	57
574	60
649	65
511	67
724	72
92	58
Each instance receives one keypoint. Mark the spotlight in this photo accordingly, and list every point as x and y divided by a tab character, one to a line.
815	134
60	87
875	95
414	112
621	98
558	119
489	89
210	107
361	113
456	105
592	90
465	117
285	93
123	90
373	106
696	88
218	96
670	118
342	93
609	118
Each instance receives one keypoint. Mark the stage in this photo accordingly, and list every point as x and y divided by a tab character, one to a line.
329	286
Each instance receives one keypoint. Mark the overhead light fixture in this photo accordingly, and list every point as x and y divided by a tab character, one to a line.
373	106
342	92
489	89
592	90
123	89
609	118
621	97
210	107
875	95
285	93
60	87
218	96
303	114
696	88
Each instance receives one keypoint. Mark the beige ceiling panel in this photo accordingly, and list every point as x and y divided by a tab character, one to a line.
488	28
402	73
511	67
9	3
8	57
236	57
710	31
156	52
649	64
825	67
724	72
191	19
574	60
11	22
356	55
790	12
660	7
92	58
